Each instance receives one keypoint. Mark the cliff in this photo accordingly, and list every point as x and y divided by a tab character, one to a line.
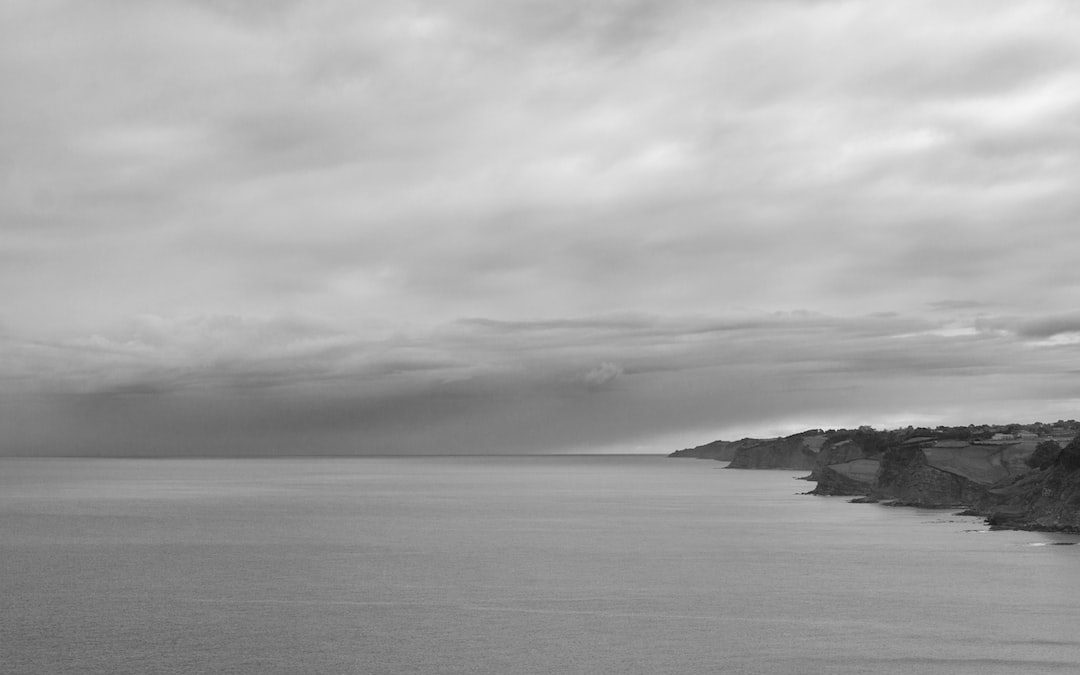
794	452
797	452
849	461
949	473
1016	484
855	477
719	450
834	453
1016	476
1046	498
843	447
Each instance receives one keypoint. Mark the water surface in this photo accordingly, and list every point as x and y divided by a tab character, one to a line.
507	565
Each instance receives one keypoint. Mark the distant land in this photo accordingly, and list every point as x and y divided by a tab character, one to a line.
1017	476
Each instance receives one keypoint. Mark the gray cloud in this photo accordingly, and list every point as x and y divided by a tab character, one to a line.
440	227
1036	327
1051	326
603	374
479	385
955	305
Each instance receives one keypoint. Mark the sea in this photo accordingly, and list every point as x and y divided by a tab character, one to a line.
538	564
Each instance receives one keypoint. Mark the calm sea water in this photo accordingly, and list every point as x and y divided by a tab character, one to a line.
507	565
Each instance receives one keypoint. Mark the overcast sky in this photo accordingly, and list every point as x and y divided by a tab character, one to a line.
563	225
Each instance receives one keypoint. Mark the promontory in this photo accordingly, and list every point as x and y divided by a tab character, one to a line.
1017	476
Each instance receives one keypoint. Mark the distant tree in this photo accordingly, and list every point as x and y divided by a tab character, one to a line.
1046	453
954	433
874	442
1069	457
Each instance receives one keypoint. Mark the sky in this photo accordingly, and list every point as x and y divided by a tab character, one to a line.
239	227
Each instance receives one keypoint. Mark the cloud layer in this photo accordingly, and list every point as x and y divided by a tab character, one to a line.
482	226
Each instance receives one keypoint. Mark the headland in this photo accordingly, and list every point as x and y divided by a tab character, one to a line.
1017	476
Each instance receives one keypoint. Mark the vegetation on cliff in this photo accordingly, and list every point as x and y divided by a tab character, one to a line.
1046	498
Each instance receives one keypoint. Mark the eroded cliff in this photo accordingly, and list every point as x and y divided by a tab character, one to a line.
719	450
798	452
1046	498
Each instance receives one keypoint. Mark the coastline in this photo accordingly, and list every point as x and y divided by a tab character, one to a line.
1015	481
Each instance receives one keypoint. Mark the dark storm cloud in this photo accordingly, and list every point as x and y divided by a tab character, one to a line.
1038	327
467	387
1051	326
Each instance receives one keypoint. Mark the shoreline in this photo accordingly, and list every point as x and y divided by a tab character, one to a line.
1020	480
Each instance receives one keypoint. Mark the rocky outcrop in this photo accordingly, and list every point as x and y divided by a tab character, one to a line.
798	452
840	449
947	473
849	461
1046	498
837	453
921	484
855	477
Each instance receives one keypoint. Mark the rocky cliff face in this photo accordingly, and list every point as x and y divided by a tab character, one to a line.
948	473
836	453
1009	483
1046	498
921	484
793	452
719	450
797	452
855	477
